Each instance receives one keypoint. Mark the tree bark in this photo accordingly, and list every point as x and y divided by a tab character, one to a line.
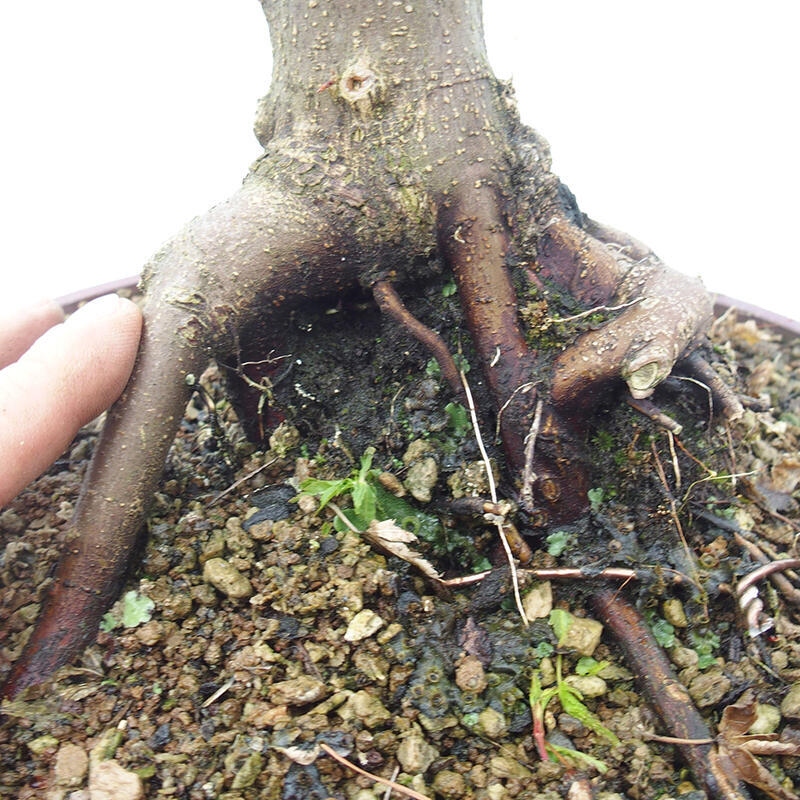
387	141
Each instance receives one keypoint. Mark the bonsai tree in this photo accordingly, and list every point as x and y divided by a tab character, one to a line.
391	153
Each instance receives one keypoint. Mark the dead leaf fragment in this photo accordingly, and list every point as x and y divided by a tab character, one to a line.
742	748
390	537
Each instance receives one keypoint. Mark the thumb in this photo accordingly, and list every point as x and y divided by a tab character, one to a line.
70	374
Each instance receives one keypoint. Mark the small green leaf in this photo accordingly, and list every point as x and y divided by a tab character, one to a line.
366	464
458	419
108	623
557	542
590	666
571	701
544	649
663	631
560	621
595	498
705	644
432	369
577	755
364	501
461	363
136	609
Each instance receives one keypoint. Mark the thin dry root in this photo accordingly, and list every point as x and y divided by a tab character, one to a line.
653	412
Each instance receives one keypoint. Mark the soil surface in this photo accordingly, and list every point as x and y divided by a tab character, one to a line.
257	629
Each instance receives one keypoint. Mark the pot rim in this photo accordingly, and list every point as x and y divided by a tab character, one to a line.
786	326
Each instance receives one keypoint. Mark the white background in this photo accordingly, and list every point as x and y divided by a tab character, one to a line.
676	122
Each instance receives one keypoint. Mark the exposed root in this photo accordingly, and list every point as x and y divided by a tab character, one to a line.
724	398
390	303
528	475
712	769
651	411
673	512
499	521
761	552
474	239
602	268
750	602
618	574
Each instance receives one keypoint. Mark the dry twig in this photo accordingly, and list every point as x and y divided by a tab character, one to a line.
395	787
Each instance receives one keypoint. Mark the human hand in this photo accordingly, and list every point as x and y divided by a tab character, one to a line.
56	376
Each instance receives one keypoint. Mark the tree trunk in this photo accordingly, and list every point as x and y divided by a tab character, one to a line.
387	142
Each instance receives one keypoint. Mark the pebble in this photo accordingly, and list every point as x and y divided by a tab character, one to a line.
790	705
363	625
227	579
423	471
283	439
504	767
249	771
298	691
768	718
373	667
469	481
109	780
449	785
587	685
71	766
570	726
538	601
470	675
366	707
674	613
392	484
582	636
491	723
176	606
421	477
11	522
150	633
709	688
42	744
415	754
684	657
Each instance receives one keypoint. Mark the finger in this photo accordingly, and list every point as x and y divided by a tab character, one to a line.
71	373
22	325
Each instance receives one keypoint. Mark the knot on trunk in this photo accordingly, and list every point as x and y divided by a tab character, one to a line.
362	87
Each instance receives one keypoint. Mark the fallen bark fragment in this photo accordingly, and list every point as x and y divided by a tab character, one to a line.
712	769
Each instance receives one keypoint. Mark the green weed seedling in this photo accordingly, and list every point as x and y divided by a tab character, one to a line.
663	631
371	502
706	644
359	485
596	497
571	701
